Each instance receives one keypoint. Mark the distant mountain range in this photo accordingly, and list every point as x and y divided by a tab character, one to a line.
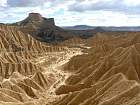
79	27
105	28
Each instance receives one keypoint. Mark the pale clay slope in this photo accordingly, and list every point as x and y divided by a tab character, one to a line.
32	73
108	77
25	72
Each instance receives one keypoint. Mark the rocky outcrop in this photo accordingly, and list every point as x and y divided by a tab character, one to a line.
35	17
43	29
36	20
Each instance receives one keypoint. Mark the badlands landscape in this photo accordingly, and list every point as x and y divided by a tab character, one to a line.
43	64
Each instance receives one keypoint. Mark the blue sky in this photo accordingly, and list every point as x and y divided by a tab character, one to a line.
74	12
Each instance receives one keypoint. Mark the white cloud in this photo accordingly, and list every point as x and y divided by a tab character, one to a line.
98	18
132	2
3	3
73	12
125	6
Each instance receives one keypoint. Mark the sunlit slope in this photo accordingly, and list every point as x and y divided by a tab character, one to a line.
36	73
109	74
23	81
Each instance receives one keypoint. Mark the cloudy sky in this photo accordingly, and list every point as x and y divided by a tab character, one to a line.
75	12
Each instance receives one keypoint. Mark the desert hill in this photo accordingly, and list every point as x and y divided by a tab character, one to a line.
22	77
107	75
105	28
78	27
42	28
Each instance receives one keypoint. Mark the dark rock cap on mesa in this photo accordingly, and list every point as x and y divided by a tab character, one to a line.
35	17
38	18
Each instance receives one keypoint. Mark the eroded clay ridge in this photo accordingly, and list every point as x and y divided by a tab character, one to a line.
13	40
22	81
108	75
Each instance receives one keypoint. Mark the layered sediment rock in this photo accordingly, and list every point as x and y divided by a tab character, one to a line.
22	79
107	75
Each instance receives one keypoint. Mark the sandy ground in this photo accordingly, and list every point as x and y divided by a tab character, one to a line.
52	64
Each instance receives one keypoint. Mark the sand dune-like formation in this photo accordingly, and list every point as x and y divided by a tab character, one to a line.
108	75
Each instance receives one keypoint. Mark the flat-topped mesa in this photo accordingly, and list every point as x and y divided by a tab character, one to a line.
35	17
